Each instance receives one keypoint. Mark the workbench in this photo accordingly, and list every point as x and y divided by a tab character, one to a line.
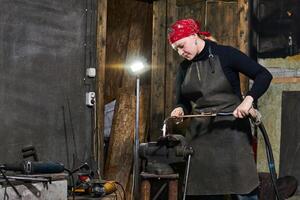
56	190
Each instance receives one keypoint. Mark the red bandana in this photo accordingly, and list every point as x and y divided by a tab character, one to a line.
184	28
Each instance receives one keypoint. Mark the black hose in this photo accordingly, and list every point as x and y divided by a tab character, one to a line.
270	158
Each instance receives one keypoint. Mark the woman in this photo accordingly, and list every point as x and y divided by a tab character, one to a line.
208	81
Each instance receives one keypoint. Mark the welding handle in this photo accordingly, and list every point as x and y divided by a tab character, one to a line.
41	167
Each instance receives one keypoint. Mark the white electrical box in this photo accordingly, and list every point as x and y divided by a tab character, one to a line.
91	72
90	98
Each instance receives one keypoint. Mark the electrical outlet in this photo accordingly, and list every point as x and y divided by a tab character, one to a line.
90	98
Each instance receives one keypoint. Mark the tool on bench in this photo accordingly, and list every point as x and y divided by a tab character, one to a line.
28	178
34	167
26	168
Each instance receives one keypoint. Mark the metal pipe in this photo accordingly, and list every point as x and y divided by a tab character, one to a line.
160	191
187	175
136	143
23	178
208	114
9	183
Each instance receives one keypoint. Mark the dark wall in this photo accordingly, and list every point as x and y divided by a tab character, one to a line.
43	57
275	24
290	139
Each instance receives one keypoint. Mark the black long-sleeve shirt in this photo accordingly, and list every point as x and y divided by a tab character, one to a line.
232	62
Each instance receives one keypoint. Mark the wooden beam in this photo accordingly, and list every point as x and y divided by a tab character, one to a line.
186	2
118	30
172	61
286	80
100	80
159	38
145	190
243	38
120	151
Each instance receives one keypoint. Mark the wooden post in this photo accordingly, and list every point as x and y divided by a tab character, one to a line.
145	190
172	61
157	104
173	189
100	80
243	38
120	153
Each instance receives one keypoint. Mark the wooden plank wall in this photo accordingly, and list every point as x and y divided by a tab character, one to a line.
157	104
172	60
226	20
129	34
222	21
134	28
243	37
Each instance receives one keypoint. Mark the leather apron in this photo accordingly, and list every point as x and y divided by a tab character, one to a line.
223	162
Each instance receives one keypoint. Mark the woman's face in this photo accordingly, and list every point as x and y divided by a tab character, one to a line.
186	47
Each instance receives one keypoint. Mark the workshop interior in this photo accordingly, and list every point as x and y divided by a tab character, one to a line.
88	87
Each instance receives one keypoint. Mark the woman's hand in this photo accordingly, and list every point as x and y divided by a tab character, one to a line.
245	108
177	112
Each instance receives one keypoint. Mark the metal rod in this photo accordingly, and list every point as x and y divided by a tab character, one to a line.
203	114
206	115
136	143
187	176
22	178
270	158
160	191
9	183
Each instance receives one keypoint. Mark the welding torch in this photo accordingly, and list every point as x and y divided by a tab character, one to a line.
255	117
